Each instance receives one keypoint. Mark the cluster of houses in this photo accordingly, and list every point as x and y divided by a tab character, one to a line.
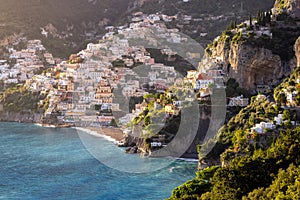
89	87
26	62
86	89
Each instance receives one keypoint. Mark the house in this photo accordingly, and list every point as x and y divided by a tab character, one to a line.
238	101
298	79
105	120
104	94
263	89
204	94
260	128
171	109
177	103
279	119
203	81
191	74
156	144
129	91
291	97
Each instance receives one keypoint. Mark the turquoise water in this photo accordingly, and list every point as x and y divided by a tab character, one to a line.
48	163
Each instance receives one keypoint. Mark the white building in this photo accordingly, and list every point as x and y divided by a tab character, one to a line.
279	119
156	144
260	128
203	81
238	101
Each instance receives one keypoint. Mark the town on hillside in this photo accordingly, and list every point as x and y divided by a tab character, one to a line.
116	81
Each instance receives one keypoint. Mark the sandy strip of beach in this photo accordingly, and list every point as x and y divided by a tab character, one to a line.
115	133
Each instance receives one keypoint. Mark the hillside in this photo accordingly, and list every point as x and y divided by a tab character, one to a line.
71	24
255	165
209	18
256	155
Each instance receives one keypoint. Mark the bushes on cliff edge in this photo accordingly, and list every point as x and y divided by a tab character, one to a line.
19	98
249	175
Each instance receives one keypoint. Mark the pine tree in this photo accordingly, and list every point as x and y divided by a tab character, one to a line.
259	17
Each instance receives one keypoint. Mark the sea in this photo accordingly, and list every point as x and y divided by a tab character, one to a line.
54	163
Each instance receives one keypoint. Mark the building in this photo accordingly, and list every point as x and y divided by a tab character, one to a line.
171	109
260	128
279	119
263	89
291	98
238	101
203	82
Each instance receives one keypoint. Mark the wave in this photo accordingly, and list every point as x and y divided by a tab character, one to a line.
46	126
188	159
96	134
172	169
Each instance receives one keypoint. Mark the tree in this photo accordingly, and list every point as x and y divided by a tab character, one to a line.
286	115
113	123
282	99
285	186
147	120
239	137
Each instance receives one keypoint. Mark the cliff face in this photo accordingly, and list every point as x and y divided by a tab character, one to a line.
297	51
290	7
249	65
25	117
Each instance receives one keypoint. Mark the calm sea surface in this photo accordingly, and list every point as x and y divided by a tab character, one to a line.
49	163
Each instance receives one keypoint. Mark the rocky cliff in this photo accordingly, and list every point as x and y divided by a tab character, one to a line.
249	65
257	54
24	117
297	51
290	7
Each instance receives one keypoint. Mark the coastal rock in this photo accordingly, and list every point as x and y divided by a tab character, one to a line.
25	117
132	150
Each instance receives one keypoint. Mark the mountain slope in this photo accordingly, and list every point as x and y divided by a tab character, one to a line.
74	23
70	20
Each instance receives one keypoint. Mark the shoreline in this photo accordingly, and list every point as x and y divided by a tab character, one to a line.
110	133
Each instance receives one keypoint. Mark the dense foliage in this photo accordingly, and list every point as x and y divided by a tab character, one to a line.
19	98
251	175
280	43
289	85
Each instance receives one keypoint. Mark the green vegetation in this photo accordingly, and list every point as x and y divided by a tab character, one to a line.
263	18
256	166
28	16
19	98
152	117
251	176
281	43
285	186
281	5
289	85
200	185
233	89
236	130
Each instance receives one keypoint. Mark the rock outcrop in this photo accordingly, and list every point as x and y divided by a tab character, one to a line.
290	7
250	66
297	51
24	117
